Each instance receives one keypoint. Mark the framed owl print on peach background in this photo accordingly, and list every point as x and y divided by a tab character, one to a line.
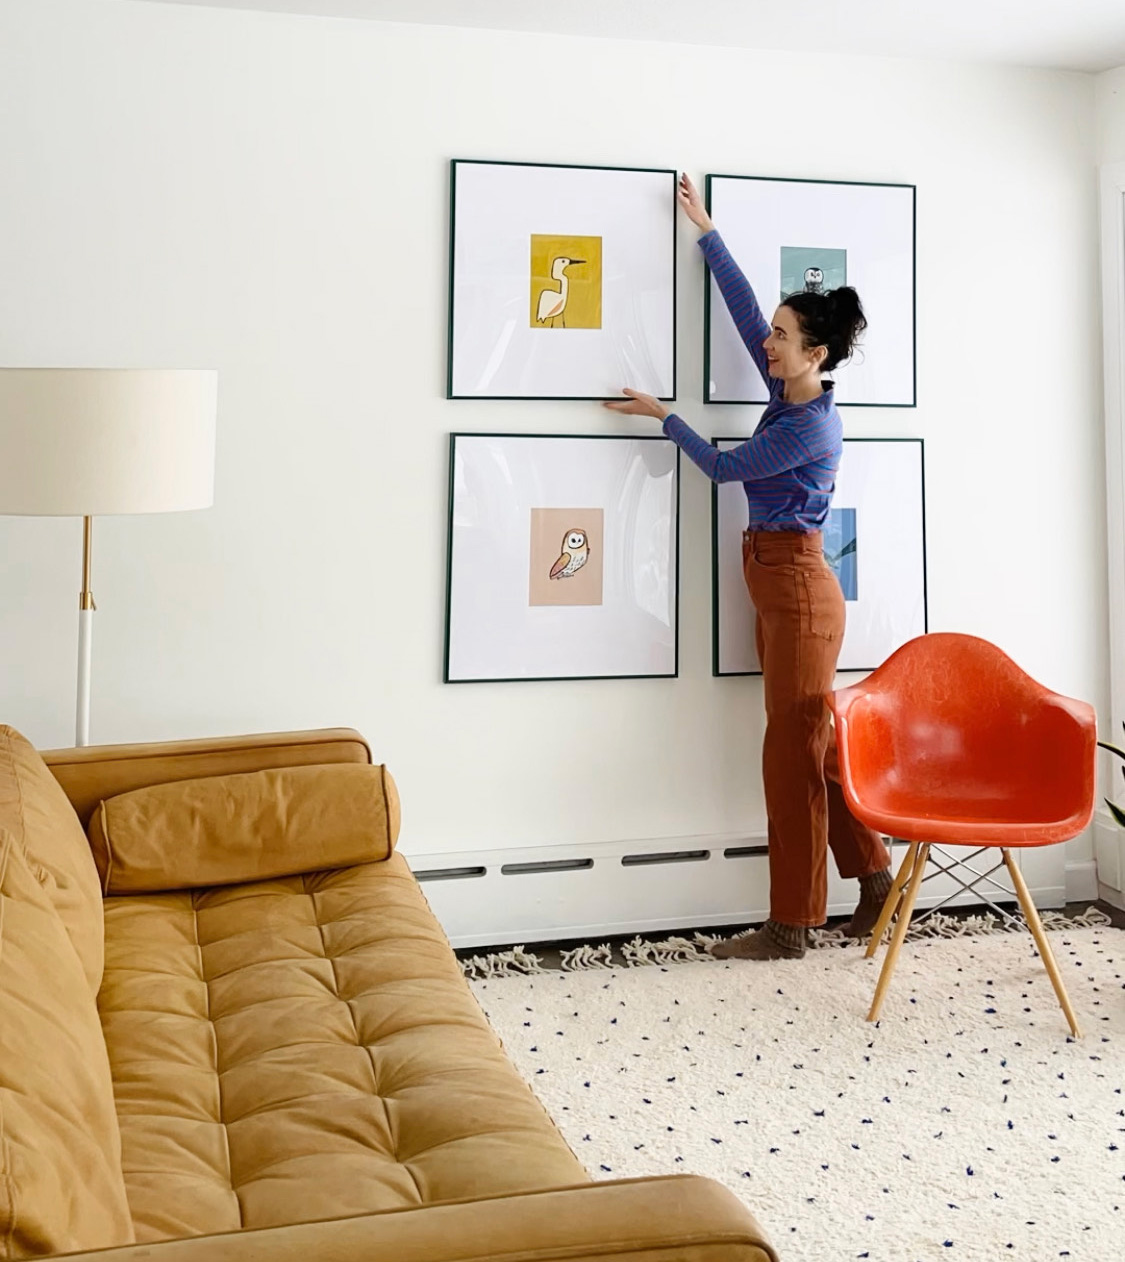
562	281
567	556
562	557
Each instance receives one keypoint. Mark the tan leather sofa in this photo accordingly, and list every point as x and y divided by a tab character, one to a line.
289	1066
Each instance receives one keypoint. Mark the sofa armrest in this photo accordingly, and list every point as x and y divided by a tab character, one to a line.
94	772
678	1219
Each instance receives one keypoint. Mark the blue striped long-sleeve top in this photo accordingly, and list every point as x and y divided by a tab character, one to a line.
788	468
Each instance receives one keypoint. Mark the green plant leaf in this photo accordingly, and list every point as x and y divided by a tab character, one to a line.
1112	749
1116	811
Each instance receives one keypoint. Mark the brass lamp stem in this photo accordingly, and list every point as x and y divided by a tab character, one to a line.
86	609
86	598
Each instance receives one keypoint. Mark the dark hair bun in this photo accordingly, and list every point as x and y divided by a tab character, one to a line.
844	301
833	320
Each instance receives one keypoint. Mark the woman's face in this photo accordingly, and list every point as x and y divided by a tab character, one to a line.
785	349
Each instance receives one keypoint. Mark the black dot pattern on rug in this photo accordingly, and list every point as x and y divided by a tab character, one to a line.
965	1124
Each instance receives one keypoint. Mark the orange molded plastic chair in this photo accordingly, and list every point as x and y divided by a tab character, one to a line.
950	743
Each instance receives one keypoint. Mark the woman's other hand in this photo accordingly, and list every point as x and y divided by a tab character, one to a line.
688	197
638	404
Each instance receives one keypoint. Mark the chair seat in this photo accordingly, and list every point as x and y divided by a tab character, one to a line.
976	822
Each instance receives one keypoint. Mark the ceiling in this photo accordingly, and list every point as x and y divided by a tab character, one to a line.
1087	35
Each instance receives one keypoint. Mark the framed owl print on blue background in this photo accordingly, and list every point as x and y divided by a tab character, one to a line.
562	558
791	235
874	541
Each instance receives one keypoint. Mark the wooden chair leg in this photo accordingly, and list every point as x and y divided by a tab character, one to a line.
1045	952
902	876
904	914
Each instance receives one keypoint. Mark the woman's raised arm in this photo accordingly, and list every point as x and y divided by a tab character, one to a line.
737	292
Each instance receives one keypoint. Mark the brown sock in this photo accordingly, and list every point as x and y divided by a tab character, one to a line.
791	937
873	891
876	886
773	941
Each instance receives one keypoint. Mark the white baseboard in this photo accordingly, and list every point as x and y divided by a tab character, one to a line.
1081	881
561	893
1109	857
1115	898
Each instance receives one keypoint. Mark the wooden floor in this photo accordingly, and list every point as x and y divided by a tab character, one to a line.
550	953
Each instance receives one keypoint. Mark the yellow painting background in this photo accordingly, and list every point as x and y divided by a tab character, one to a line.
584	301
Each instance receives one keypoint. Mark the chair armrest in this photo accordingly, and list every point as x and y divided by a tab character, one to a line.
679	1219
842	700
94	772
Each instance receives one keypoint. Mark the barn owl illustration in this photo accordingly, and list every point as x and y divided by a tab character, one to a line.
575	553
814	280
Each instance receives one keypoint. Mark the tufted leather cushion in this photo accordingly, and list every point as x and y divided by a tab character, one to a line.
60	1148
226	830
35	810
306	1048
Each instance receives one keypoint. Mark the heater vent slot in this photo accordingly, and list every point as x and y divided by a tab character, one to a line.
450	874
669	856
745	852
551	865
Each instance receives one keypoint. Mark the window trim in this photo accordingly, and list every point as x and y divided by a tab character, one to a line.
1113	323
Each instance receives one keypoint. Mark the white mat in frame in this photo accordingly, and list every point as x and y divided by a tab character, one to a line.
498	348
883	481
502	488
862	234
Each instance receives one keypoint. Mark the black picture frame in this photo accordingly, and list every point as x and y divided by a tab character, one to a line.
447	677
455	163
707	287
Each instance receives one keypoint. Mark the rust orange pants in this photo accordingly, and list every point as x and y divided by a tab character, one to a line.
800	630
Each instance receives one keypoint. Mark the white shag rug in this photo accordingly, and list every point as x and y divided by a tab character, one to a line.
965	1125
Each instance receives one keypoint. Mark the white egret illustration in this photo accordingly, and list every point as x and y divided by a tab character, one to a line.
552	302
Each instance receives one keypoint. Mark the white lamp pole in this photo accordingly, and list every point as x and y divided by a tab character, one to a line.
80	442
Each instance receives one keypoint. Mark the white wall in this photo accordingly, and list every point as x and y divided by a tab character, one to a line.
266	195
1110	93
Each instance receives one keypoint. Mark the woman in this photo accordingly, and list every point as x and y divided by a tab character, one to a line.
789	471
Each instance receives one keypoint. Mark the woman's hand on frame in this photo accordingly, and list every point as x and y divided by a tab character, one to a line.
639	404
688	197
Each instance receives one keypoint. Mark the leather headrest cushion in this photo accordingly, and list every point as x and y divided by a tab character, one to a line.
229	830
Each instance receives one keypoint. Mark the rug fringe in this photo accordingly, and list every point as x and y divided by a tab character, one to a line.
503	964
941	926
639	953
587	958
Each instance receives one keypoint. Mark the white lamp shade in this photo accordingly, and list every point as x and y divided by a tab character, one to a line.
83	442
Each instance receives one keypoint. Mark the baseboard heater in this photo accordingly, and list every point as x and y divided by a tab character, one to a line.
588	893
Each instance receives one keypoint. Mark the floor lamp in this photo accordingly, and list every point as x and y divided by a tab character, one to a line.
82	442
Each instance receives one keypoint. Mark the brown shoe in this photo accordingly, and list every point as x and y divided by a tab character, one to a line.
873	891
771	942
